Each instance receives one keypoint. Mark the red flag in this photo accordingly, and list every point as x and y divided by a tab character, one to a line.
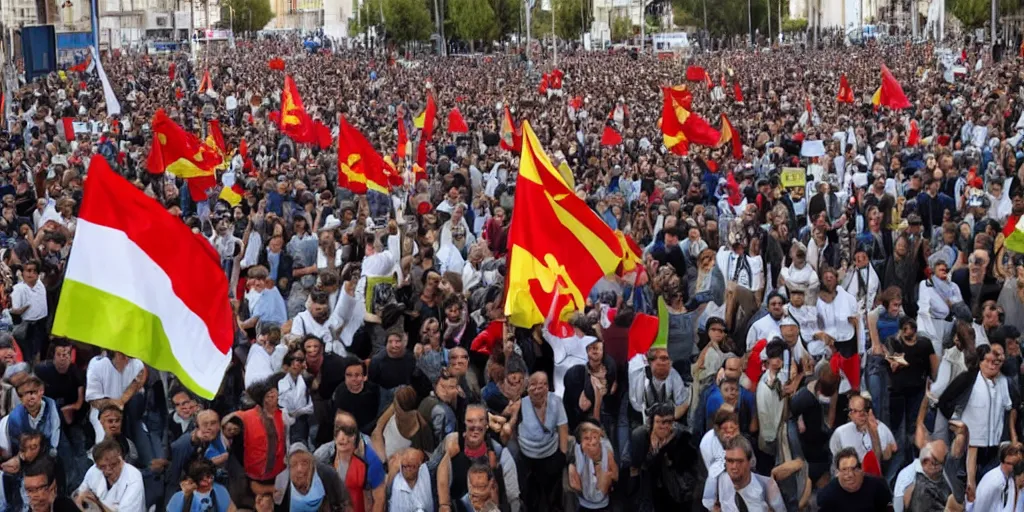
456	124
737	92
611	135
206	83
890	94
360	167
576	102
69	128
403	137
729	134
243	149
178	94
199	186
641	334
218	136
722	81
845	92
428	130
808	107
556	79
914	137
277	63
511	137
542	89
707	80
695	74
82	66
170	70
295	122
680	127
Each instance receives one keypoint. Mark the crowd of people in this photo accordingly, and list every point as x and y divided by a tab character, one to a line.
849	342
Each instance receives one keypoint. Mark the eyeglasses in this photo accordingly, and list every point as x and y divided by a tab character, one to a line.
349	430
847	471
38	489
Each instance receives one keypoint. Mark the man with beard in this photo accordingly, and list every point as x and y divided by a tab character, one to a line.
659	456
902	270
318	321
463	450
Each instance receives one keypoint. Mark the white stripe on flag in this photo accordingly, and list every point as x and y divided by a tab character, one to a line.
113	106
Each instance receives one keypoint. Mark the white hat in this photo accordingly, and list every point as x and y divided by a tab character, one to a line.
330	223
788	320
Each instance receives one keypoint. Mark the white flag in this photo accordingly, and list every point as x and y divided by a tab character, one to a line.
113	106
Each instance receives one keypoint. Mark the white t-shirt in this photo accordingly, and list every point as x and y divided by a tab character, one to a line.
847	436
983	414
126	495
34	297
834	317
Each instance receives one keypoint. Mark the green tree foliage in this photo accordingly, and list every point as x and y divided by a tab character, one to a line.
507	15
407	20
369	16
569	18
977	13
473	20
791	25
728	17
622	29
540	22
249	14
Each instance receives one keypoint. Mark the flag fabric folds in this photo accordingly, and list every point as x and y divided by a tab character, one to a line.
845	92
729	135
511	138
680	127
429	116
890	93
171	68
403	136
456	124
82	66
217	135
695	74
173	314
737	92
295	122
1015	242
542	88
277	63
360	167
178	152
611	135
558	246
233	194
205	84
914	136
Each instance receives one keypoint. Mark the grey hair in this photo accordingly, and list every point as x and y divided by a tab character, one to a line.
740	443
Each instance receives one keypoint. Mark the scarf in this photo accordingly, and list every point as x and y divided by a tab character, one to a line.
309	502
453	331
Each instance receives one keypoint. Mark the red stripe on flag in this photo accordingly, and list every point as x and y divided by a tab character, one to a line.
191	264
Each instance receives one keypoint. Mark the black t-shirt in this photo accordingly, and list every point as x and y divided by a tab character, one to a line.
363	405
815	437
911	378
390	373
61	387
872	495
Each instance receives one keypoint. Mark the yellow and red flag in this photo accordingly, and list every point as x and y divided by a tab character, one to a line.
295	122
205	84
729	134
217	135
179	152
890	93
360	167
679	126
233	194
611	136
403	136
429	116
845	92
558	246
511	138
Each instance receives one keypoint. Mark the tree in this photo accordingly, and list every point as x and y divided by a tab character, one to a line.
569	18
507	15
978	13
540	22
794	25
250	15
473	20
407	20
369	17
622	29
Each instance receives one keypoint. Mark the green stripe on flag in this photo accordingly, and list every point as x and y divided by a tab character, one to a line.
93	316
1015	242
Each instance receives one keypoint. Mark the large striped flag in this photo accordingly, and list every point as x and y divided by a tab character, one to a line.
890	93
729	135
558	247
360	167
679	126
139	282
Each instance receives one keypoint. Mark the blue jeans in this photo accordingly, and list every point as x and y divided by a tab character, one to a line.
876	375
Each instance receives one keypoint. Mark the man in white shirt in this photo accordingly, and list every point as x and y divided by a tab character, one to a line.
712	445
806	317
743	490
293	396
997	491
839	321
266	355
930	465
28	300
864	434
111	484
410	482
113	378
318	321
767	327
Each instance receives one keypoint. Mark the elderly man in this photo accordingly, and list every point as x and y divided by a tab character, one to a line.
656	382
409	480
310	485
463	450
851	490
543	441
202	442
743	490
111	484
924	483
871	439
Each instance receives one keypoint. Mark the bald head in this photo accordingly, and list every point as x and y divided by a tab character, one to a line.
933	456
